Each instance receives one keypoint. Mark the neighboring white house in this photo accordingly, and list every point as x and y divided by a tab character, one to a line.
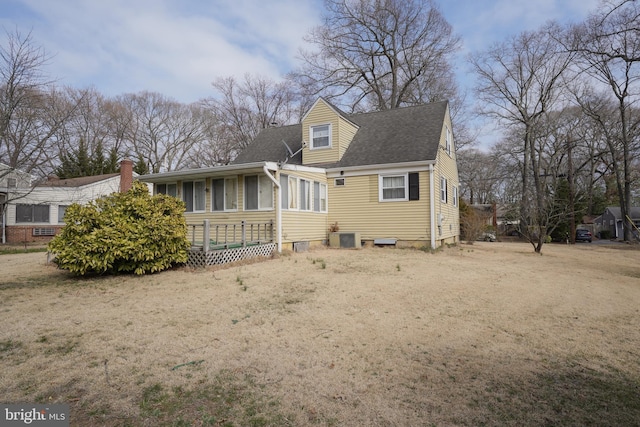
35	213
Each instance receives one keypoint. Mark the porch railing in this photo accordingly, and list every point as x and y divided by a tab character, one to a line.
207	236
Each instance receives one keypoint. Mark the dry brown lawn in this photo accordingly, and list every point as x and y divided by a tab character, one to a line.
484	334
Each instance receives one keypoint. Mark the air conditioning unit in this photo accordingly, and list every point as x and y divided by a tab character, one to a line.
344	239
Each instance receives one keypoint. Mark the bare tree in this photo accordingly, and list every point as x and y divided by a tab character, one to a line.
27	117
380	54
519	81
162	131
480	175
242	109
608	43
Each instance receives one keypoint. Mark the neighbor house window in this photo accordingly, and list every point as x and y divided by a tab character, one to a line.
305	195
448	140
12	183
319	197
258	192
168	189
443	189
32	213
224	194
393	187
455	196
62	209
193	195
320	136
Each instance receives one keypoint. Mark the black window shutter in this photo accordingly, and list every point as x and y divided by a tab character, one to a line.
414	186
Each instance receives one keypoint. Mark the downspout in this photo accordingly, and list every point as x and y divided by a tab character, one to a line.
278	208
432	207
3	211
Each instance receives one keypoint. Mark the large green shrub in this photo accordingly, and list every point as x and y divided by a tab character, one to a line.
130	232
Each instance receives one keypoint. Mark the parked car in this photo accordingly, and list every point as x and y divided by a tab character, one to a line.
487	237
583	235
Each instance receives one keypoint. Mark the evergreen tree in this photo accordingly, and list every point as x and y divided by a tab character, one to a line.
141	167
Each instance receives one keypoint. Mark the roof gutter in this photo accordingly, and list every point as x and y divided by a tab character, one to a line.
278	207
366	169
206	172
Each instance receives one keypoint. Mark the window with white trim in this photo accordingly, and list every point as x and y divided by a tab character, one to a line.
62	209
32	213
393	187
443	189
448	140
455	196
305	195
320	136
319	197
168	189
193	195
284	191
224	194
292	194
258	193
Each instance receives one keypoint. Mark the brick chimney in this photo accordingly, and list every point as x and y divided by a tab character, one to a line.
126	175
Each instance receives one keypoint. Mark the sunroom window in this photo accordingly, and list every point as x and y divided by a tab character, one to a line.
224	194
193	195
258	193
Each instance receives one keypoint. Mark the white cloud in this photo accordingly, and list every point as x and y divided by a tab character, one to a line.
173	47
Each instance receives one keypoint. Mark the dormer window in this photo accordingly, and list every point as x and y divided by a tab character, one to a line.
320	136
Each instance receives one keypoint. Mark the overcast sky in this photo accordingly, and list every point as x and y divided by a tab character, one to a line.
178	47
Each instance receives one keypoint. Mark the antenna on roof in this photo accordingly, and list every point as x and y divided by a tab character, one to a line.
291	153
288	148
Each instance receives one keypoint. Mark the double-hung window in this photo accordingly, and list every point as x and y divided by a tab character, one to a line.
258	193
443	189
224	194
168	189
393	187
320	136
400	187
193	195
447	140
455	196
32	213
319	197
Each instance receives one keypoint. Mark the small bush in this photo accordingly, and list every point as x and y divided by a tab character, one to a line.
130	232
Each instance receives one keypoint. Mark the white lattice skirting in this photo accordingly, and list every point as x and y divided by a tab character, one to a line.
198	258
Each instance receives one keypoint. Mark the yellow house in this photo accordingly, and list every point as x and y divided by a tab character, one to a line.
387	177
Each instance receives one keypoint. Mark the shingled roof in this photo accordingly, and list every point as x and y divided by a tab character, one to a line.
392	136
77	182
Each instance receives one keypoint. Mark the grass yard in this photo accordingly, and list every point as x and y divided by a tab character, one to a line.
485	334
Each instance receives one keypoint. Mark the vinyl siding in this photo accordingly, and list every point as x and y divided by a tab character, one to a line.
305	225
56	196
446	166
356	208
342	133
228	217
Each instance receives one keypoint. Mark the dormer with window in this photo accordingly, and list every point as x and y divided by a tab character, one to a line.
326	133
